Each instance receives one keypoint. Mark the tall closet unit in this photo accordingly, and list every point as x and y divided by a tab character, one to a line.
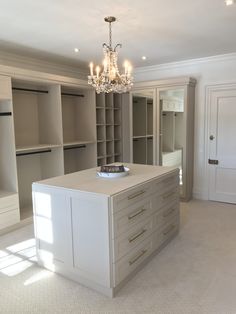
9	203
46	130
142	109
172	114
109	128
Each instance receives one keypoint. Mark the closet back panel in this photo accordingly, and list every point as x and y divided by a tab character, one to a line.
139	116
26	119
139	151
79	159
78	118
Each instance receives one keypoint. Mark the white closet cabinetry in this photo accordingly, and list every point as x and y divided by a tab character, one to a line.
79	131
109	128
173	126
46	130
9	203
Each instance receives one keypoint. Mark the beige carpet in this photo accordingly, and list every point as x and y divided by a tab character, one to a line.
195	273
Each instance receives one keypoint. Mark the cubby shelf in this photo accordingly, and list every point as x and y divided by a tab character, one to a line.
109	128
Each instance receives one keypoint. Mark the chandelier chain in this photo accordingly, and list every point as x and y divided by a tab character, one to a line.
110	36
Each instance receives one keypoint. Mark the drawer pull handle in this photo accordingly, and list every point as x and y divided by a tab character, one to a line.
169	230
136	195
167	213
136	236
137	257
168	195
137	213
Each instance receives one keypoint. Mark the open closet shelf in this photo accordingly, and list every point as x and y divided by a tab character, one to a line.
75	143
35	148
4	193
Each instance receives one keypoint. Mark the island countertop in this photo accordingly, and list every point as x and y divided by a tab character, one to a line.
88	181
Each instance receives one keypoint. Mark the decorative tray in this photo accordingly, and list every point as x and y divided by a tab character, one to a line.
112	171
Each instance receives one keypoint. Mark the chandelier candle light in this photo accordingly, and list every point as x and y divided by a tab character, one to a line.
110	80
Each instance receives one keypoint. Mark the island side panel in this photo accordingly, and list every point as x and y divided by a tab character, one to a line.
90	231
52	223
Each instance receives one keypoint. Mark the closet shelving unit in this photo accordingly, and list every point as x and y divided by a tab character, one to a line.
37	137
79	132
109	128
49	130
142	108
9	204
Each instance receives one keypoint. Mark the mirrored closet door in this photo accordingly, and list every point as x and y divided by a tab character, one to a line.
172	129
176	128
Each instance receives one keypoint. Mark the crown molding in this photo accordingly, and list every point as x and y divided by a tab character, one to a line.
186	63
19	61
174	81
44	77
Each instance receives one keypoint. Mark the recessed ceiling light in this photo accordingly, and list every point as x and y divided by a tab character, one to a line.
144	57
229	2
76	50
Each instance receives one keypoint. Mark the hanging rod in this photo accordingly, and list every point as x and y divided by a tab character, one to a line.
30	90
5	114
33	153
74	147
75	95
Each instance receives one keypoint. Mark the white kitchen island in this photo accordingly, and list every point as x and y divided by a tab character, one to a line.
100	231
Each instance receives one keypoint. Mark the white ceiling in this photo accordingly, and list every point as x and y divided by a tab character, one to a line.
164	31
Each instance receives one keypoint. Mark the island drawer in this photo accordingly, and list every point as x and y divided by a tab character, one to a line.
163	198
167	183
127	241
126	218
132	260
166	214
131	196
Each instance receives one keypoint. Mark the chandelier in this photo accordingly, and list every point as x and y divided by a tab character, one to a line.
110	80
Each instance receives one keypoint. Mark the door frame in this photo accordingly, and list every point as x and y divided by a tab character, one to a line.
209	92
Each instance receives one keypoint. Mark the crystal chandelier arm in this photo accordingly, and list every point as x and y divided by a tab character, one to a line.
104	45
118	45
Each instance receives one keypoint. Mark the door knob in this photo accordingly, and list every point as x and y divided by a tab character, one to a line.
212	137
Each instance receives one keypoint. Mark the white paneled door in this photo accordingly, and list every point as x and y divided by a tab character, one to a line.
222	145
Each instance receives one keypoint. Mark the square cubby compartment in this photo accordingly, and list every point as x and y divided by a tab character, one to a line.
109	116
100	116
109	133
117	132
117	98
117	147
101	133
100	100
101	161
117	117
110	160
109	100
101	149
110	148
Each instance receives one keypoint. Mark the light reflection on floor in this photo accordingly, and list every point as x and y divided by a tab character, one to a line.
17	257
